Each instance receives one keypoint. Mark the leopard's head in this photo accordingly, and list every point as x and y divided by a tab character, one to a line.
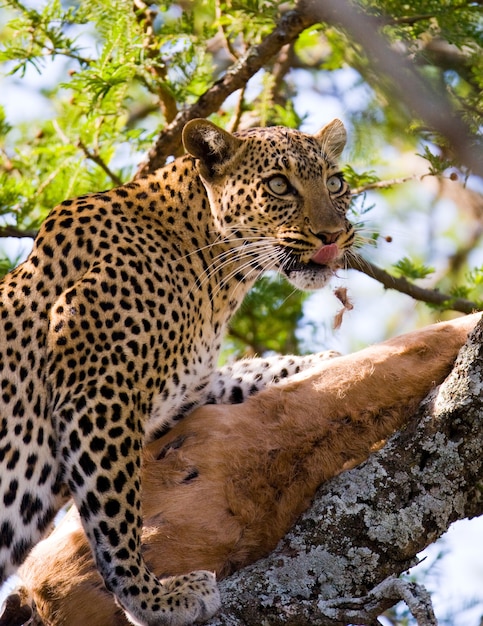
279	193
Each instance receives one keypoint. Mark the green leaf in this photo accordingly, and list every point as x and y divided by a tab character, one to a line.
359	179
411	269
437	164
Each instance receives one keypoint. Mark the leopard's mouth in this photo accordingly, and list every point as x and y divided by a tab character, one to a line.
293	264
312	274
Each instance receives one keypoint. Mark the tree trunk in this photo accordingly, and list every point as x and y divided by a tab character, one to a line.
340	563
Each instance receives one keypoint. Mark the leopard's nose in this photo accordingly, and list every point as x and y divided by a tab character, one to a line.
328	237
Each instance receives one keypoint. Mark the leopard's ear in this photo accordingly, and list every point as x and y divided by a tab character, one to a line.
213	146
332	139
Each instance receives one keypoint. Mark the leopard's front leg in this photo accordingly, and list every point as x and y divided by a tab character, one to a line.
233	384
100	407
101	451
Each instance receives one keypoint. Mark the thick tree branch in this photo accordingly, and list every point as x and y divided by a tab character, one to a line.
429	103
258	465
367	525
386	594
289	27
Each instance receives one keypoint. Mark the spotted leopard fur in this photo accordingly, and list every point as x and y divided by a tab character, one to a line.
112	327
235	383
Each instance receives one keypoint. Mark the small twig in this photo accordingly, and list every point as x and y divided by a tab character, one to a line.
100	162
387	184
414	19
401	284
235	121
460	256
138	114
281	68
7	165
167	103
387	593
52	51
226	40
46	182
408	19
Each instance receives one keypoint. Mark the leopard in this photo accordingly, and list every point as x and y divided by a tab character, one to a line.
112	329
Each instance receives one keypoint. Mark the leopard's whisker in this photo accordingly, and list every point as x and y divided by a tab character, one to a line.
273	264
228	257
250	264
221	240
268	257
264	252
226	241
271	258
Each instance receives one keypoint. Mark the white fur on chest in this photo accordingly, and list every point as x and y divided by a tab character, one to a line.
186	387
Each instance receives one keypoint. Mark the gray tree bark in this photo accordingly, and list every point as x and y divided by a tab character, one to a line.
341	563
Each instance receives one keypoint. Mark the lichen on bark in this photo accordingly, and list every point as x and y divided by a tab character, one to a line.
341	562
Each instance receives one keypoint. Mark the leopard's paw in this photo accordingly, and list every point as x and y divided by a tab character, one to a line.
182	600
195	596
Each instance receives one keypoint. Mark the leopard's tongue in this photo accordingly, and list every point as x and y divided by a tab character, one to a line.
326	254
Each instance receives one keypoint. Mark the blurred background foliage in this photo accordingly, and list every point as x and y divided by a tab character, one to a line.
88	86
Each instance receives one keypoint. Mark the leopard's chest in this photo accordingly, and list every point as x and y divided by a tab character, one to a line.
187	381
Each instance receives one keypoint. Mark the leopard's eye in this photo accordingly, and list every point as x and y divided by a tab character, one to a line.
279	185
334	184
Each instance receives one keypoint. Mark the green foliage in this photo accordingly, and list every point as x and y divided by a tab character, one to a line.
7	265
475	278
249	18
411	269
359	179
472	289
268	320
437	164
32	36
